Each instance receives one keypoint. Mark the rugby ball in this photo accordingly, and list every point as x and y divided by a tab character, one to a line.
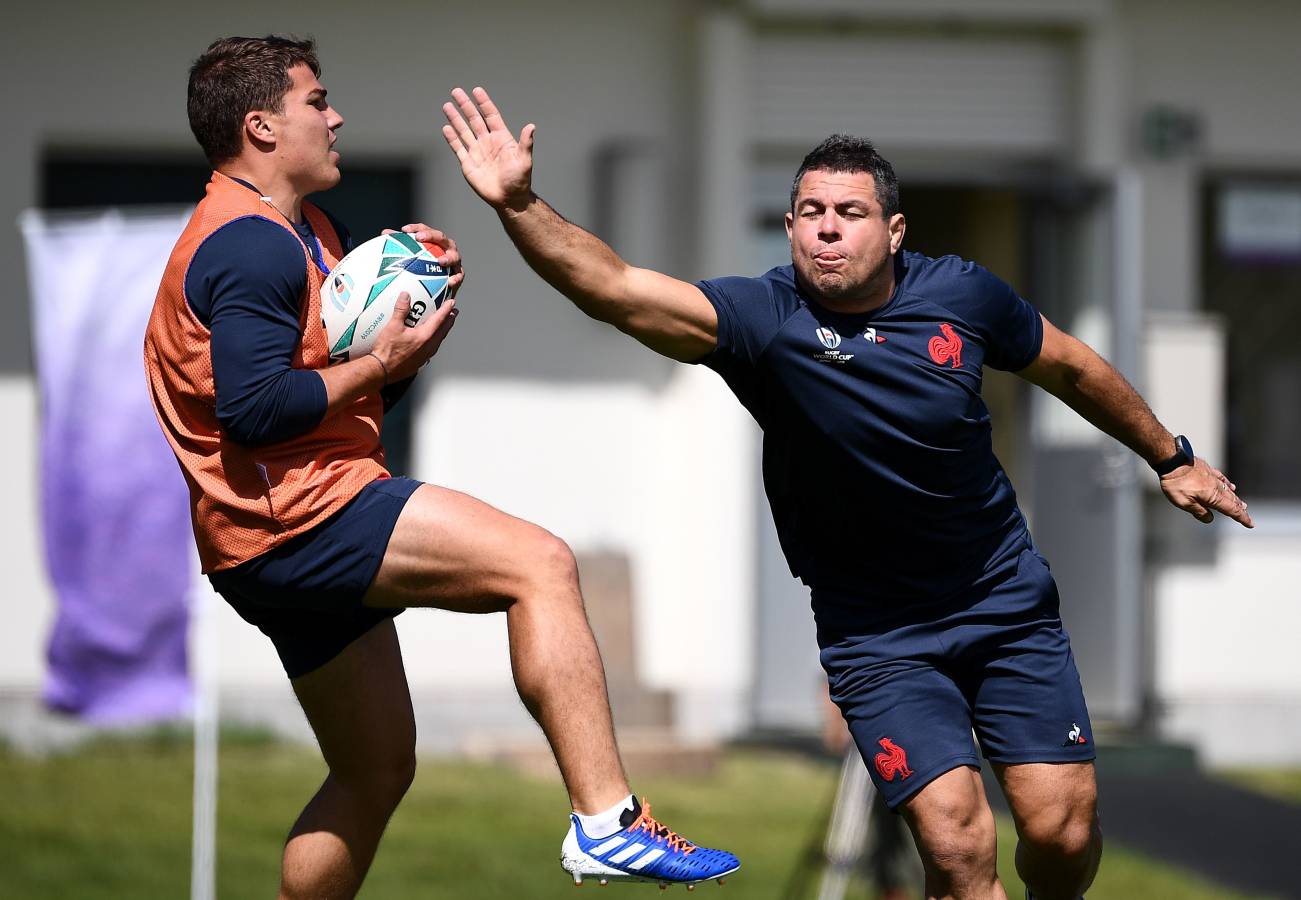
358	295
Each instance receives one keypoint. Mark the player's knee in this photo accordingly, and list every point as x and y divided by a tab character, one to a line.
555	569
381	777
391	778
1066	834
964	848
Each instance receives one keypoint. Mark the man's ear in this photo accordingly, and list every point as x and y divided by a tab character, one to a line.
897	228
258	127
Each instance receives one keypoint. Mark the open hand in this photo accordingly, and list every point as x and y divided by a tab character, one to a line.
1200	488
498	167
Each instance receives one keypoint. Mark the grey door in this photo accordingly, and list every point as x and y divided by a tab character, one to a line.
1084	494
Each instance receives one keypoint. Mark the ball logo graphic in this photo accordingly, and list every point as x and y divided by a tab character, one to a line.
829	338
343	285
413	315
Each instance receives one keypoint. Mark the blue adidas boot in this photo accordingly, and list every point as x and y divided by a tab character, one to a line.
644	850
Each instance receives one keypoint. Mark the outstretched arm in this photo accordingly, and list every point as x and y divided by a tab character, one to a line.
1070	370
671	317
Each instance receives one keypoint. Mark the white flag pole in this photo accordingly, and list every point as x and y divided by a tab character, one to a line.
203	857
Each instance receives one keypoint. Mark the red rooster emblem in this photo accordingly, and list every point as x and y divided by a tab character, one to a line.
893	761
946	347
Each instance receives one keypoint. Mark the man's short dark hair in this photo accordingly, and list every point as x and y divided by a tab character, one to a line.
236	75
846	153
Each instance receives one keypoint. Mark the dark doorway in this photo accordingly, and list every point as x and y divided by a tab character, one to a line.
1251	276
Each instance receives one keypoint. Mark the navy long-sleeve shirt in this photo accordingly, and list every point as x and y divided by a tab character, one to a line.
246	284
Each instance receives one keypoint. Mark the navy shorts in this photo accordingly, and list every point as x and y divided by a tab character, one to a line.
306	594
914	680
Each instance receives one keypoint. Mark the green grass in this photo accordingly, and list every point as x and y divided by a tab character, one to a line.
112	820
1283	784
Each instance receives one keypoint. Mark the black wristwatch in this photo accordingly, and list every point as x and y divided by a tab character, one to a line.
1183	457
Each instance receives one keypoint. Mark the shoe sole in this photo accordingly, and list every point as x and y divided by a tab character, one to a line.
584	866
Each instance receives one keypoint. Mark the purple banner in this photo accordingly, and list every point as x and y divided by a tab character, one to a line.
116	524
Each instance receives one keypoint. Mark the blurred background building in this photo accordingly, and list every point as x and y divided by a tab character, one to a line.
1131	167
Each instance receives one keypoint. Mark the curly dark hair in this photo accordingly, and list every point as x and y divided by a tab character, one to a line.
236	75
846	153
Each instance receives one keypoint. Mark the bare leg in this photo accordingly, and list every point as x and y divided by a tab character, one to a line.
359	706
451	551
954	830
1055	807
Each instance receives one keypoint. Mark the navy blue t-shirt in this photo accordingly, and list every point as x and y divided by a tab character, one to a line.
245	283
877	452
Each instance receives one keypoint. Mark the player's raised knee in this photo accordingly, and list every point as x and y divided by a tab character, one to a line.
552	562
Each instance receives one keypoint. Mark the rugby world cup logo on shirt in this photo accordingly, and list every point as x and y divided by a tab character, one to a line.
830	338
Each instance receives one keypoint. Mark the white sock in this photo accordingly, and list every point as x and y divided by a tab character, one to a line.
604	824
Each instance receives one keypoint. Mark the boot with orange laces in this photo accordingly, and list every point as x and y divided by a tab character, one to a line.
635	847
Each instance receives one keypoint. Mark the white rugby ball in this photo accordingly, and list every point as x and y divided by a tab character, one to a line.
358	295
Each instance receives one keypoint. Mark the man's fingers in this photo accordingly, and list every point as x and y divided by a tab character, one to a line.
471	113
491	115
451	256
526	138
401	306
430	323
445	325
1199	512
1226	501
449	135
457	123
422	232
1222	477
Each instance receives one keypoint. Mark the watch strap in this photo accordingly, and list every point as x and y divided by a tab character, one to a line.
1183	457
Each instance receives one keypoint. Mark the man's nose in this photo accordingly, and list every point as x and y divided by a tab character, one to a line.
829	224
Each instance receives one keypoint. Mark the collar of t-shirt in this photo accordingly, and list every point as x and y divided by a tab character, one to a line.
303	229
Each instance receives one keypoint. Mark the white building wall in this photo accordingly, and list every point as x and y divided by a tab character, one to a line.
1228	674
